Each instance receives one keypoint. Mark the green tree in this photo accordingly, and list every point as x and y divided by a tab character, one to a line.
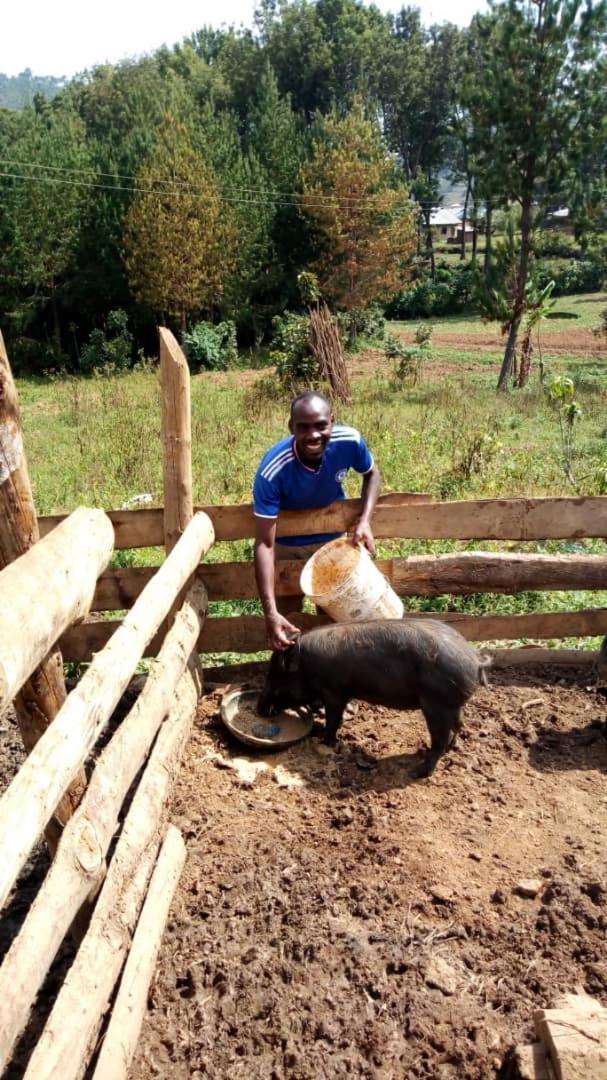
44	205
418	102
122	107
363	220
531	104
179	240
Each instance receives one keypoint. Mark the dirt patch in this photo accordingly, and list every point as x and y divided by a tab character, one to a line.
336	918
581	342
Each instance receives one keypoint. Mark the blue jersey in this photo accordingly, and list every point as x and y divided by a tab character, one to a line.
283	482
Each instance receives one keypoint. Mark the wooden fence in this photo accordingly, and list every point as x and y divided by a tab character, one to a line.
146	860
55	572
403	516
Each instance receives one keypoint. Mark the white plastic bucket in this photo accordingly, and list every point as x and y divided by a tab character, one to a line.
342	579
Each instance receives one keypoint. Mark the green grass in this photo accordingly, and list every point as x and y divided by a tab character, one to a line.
570	313
97	442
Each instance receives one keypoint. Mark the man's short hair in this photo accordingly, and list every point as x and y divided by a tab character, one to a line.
310	395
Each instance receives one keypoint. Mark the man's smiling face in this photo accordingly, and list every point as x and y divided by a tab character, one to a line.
311	424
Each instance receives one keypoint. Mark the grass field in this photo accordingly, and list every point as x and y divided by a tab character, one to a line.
97	441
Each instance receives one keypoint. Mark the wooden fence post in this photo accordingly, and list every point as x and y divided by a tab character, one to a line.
44	693
176	439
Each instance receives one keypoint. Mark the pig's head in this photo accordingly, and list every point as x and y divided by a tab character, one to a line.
285	685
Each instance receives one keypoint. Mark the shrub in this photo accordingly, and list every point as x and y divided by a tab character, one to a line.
369	323
409	357
448	293
291	353
211	347
555	245
576	276
110	347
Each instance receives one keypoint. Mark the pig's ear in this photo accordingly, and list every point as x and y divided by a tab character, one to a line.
292	658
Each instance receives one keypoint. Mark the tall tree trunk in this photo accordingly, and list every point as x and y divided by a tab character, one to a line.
56	322
462	250
430	245
474	227
519	299
488	238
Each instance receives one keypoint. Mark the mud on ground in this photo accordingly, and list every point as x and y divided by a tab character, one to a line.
336	918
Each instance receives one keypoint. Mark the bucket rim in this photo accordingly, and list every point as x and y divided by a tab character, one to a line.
307	569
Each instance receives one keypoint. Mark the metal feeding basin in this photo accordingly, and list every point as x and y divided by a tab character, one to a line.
239	714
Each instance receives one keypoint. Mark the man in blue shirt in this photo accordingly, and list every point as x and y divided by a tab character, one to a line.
305	471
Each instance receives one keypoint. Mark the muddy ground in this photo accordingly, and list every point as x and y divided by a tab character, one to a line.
336	918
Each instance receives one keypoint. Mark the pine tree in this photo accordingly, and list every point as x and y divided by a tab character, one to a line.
43	211
180	242
364	222
531	103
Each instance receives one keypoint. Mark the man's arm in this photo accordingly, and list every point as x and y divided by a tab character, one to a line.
279	630
369	494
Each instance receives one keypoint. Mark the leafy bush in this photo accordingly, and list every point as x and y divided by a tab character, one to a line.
211	347
369	323
448	293
295	364
576	276
409	357
555	245
109	347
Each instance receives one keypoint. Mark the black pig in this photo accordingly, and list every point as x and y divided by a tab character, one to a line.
402	664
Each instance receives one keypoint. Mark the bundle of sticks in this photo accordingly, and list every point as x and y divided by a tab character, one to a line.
327	347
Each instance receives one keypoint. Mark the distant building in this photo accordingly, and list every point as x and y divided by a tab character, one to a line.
447	223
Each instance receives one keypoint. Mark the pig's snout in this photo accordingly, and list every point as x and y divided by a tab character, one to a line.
265	705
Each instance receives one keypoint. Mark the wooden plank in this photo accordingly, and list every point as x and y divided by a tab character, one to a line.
79	865
32	795
70	1033
526	656
176	438
144	528
44	591
128	1011
246	633
417	575
416	518
42	696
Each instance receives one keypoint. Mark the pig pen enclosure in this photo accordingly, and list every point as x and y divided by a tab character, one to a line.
333	916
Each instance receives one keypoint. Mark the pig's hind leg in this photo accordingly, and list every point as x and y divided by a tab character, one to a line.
443	722
334	714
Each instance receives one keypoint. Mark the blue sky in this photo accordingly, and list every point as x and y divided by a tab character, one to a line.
61	37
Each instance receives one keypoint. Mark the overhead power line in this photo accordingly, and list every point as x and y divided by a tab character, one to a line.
265	196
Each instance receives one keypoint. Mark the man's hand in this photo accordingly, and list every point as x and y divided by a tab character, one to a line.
363	535
280	632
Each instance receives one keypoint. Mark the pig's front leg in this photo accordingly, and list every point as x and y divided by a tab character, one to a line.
334	715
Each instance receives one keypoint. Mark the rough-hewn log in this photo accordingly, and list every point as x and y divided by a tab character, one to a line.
176	439
120	1039
28	803
144	528
417	575
246	633
41	697
79	864
45	590
527	655
416	517
68	1039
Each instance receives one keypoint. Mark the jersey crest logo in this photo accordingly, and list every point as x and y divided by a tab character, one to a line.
341	475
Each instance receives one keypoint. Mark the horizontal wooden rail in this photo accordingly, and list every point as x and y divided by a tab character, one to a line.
408	516
246	633
526	655
417	575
